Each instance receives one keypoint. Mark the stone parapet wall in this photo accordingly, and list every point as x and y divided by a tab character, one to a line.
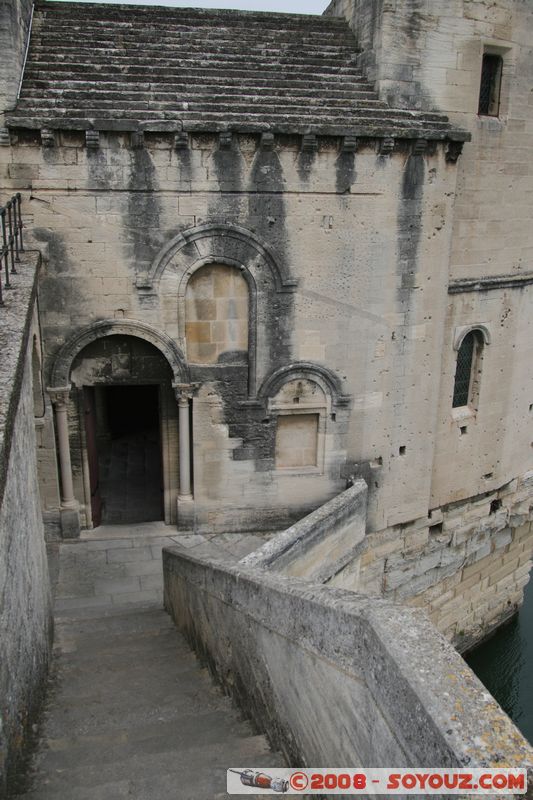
25	607
466	565
332	677
316	546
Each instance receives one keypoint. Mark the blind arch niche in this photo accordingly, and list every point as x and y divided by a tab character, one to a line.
217	307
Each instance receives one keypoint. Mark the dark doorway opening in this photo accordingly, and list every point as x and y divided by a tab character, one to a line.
128	486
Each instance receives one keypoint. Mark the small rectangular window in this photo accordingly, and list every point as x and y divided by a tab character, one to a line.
489	90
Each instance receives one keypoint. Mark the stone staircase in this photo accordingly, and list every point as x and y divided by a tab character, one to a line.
130	711
207	69
131	714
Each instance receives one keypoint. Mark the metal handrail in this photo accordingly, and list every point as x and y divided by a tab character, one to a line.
11	244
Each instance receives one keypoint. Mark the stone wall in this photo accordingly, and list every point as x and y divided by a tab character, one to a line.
25	607
15	18
466	565
336	678
345	256
429	56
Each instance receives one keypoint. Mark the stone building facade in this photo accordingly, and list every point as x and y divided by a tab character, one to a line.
268	222
468	560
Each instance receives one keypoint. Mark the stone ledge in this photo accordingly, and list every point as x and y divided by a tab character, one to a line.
379	132
490	282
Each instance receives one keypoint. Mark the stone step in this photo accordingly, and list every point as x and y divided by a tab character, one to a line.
200	75
241	49
195	774
327	125
327	28
91	14
371	113
208	102
35	87
205	68
132	713
207	63
194	43
237	116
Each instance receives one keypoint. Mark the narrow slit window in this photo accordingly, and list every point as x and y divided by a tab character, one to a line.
489	90
467	371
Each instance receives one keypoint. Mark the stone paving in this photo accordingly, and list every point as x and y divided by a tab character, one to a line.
117	565
130	712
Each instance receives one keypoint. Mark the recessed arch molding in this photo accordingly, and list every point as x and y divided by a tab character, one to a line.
218	241
60	376
304	370
463	330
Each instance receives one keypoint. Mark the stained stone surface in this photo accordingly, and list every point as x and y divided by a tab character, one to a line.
25	601
131	713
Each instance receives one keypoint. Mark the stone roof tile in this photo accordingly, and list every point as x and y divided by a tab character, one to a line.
108	66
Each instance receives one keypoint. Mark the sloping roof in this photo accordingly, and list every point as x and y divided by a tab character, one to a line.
96	65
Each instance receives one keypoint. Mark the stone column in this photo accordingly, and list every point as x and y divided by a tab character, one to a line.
70	524
183	396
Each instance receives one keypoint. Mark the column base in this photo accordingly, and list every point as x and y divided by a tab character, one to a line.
70	523
185	512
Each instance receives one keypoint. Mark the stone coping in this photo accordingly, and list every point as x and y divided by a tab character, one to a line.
15	323
437	707
305	534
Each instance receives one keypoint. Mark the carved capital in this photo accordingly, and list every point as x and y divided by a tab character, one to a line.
420	147
137	140
267	141
349	143
143	281
185	391
5	141
309	143
59	396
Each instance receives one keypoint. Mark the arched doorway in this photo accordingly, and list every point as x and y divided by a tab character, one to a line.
123	386
119	389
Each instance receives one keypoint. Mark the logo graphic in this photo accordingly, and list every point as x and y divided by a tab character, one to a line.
299	781
374	782
261	781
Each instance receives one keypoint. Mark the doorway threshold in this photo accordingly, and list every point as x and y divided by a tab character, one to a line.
128	531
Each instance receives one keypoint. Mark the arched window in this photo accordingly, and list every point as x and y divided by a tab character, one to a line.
468	370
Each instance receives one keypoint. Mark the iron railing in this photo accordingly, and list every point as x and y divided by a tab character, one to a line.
11	241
